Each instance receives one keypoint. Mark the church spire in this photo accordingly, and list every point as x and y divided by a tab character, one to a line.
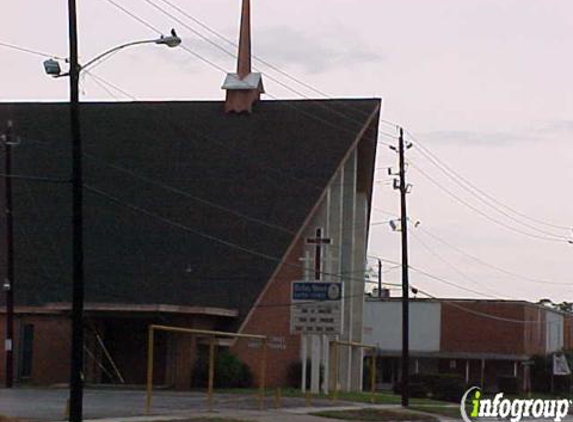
244	58
244	88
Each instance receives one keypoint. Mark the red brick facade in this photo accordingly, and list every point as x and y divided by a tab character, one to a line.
51	348
463	329
271	317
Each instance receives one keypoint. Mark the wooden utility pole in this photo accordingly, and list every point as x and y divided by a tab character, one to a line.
77	352
379	278
9	282
405	279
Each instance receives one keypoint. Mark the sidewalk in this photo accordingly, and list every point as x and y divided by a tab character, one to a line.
270	415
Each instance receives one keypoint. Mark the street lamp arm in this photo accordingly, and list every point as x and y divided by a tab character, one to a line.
162	40
52	67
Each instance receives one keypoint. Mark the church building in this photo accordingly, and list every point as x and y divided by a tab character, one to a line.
198	214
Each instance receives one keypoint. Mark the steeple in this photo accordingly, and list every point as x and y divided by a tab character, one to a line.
244	58
243	88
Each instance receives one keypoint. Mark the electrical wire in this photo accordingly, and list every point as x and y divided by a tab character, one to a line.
497	209
454	268
30	51
234	56
224	71
485	215
475	190
207	236
490	265
454	303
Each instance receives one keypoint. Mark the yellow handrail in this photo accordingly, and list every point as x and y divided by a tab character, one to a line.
212	336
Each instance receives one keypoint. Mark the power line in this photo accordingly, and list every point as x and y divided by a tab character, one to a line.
454	303
452	266
224	71
475	190
134	16
485	215
30	51
509	216
111	85
490	265
191	196
207	236
233	55
449	283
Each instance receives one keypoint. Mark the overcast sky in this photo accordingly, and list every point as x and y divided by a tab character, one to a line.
484	85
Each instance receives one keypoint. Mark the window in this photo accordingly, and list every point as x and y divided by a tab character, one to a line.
26	351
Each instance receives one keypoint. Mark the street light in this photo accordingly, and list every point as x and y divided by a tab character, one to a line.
52	68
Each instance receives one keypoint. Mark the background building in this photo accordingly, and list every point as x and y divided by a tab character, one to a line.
480	340
196	215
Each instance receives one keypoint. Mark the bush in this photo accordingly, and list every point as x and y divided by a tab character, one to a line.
508	385
437	386
446	387
416	387
230	372
294	374
541	375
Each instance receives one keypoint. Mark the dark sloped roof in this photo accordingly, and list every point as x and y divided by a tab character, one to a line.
271	165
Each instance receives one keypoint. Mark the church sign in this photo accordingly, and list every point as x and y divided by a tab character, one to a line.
315	308
316	302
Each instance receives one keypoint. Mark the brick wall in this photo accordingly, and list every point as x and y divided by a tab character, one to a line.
272	318
2	351
464	331
568	333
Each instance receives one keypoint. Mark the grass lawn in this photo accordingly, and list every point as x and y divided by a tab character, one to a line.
443	410
380	415
207	419
380	397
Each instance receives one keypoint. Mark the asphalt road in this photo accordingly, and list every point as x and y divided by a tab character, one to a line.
50	404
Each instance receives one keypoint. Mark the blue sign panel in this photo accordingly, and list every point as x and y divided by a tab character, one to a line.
316	291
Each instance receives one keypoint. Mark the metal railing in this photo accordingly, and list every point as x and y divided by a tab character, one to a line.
211	371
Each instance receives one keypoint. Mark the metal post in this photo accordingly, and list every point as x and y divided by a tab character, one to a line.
405	281
373	377
379	278
77	354
304	358
211	373
9	282
336	371
150	348
263	376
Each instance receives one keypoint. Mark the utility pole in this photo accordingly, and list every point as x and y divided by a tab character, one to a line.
9	282
405	280
379	278
77	352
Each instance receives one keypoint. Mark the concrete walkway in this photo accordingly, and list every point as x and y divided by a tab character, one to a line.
50	405
278	415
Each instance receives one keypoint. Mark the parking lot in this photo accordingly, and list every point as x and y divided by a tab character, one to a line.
50	404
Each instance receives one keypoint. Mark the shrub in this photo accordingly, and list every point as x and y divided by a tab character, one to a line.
230	372
294	374
508	385
438	386
448	387
417	388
